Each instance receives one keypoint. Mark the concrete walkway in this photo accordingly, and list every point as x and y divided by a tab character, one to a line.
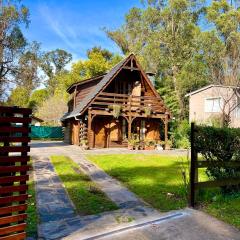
134	219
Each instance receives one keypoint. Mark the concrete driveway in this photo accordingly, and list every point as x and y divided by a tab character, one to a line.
186	224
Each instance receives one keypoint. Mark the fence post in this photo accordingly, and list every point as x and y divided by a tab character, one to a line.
192	167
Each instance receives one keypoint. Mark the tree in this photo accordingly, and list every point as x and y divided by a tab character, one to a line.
164	35
19	97
37	98
225	66
99	62
12	41
53	63
52	110
27	75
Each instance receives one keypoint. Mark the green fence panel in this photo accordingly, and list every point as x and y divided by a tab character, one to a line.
43	132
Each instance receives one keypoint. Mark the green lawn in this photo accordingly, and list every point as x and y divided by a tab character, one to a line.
85	195
158	180
225	208
32	219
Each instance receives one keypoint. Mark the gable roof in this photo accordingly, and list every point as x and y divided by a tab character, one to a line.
82	106
208	86
99	77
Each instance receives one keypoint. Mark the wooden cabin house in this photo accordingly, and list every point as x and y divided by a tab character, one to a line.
108	110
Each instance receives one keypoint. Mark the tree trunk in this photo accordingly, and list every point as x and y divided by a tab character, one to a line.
179	98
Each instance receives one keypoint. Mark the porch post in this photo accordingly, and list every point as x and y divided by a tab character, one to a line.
166	132
89	133
129	128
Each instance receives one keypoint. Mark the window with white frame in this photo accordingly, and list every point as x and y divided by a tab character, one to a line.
213	104
238	108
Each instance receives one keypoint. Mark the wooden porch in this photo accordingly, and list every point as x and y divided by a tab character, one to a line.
131	107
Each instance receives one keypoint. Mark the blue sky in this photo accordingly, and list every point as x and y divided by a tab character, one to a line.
75	25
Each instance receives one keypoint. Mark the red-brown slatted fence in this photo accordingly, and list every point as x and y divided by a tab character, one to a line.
14	139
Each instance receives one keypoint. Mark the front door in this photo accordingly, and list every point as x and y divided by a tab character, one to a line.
100	132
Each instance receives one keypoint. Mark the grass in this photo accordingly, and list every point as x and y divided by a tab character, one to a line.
32	219
85	195
158	180
226	208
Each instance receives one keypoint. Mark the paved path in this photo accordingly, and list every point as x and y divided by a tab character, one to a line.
146	223
57	217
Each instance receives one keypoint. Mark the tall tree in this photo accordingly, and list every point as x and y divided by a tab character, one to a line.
27	73
12	41
53	63
164	36
225	66
99	61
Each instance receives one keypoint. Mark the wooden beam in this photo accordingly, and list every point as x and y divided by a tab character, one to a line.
90	143
166	132
131	68
133	114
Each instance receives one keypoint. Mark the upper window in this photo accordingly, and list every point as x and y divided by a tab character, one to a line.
213	105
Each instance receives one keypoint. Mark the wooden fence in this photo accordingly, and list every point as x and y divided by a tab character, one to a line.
197	164
14	139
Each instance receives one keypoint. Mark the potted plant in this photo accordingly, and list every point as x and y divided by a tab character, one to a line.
131	143
116	110
84	144
150	145
168	145
148	110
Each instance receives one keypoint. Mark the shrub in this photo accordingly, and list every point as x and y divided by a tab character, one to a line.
180	133
219	144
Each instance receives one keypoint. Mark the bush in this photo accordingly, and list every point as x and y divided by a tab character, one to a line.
219	144
179	134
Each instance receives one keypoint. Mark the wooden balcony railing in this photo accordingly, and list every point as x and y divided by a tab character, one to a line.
129	102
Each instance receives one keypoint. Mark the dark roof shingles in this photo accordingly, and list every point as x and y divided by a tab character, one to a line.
81	106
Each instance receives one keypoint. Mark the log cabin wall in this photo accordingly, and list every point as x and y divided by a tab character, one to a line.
75	127
84	89
67	132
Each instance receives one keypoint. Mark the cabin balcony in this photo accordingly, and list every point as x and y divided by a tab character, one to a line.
136	106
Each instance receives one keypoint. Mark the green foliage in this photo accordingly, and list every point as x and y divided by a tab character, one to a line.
116	110
148	111
19	97
165	39
99	62
219	144
180	134
37	98
52	110
225	208
12	15
53	64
